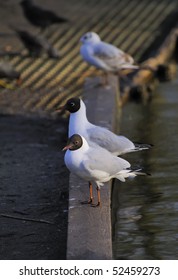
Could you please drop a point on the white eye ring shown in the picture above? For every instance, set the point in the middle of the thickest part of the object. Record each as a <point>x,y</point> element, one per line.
<point>72,104</point>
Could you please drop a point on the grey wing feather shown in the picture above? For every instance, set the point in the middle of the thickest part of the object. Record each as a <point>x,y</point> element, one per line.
<point>106,50</point>
<point>115,144</point>
<point>112,55</point>
<point>99,159</point>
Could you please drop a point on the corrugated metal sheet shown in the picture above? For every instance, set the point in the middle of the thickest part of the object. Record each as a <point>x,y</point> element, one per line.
<point>132,25</point>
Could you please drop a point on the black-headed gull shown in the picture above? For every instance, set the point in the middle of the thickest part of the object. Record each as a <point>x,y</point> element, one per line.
<point>103,55</point>
<point>95,164</point>
<point>79,124</point>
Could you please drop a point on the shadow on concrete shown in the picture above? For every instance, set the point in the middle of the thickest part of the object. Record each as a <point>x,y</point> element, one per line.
<point>33,188</point>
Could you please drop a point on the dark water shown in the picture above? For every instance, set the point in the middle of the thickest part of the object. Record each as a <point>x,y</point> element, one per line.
<point>145,210</point>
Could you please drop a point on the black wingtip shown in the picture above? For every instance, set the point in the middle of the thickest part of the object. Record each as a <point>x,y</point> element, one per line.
<point>143,145</point>
<point>139,143</point>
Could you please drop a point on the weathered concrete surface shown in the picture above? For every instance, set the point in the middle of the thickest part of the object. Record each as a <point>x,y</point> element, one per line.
<point>33,188</point>
<point>89,229</point>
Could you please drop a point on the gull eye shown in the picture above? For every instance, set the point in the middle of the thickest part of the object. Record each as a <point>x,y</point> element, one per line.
<point>72,104</point>
<point>76,143</point>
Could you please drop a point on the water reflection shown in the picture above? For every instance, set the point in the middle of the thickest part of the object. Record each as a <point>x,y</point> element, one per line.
<point>145,210</point>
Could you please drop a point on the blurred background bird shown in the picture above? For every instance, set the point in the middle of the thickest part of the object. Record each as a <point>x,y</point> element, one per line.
<point>108,57</point>
<point>38,16</point>
<point>105,56</point>
<point>36,44</point>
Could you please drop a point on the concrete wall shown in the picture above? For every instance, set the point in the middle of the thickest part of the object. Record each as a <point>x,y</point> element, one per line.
<point>89,229</point>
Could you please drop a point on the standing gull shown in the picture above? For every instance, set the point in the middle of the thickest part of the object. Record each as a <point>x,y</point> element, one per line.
<point>97,135</point>
<point>95,164</point>
<point>103,55</point>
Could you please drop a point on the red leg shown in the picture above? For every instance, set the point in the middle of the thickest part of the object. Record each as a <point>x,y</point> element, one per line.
<point>99,198</point>
<point>91,192</point>
<point>90,201</point>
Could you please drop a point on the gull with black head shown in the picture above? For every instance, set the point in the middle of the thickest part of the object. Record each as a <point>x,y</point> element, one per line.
<point>97,135</point>
<point>95,164</point>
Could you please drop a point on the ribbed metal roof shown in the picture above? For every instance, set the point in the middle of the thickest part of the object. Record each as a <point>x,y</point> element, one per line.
<point>131,25</point>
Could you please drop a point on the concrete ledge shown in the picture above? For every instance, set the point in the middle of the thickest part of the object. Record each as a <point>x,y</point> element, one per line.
<point>89,229</point>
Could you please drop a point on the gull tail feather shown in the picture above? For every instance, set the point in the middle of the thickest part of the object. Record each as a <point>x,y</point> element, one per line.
<point>140,172</point>
<point>130,66</point>
<point>141,147</point>
<point>128,173</point>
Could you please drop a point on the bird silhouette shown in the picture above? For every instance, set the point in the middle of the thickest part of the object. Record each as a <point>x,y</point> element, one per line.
<point>36,44</point>
<point>38,16</point>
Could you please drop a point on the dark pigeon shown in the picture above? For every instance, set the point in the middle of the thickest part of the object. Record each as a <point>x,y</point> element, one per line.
<point>36,45</point>
<point>39,16</point>
<point>30,42</point>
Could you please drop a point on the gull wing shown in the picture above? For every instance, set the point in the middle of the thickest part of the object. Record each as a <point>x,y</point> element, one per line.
<point>115,144</point>
<point>101,164</point>
<point>114,57</point>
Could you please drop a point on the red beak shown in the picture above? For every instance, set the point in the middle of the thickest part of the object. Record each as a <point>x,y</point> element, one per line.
<point>67,147</point>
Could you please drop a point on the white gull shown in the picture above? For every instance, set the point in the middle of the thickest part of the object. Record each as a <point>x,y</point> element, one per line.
<point>103,55</point>
<point>95,164</point>
<point>97,135</point>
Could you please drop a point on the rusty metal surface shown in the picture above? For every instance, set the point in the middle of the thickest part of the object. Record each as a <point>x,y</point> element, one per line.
<point>132,25</point>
